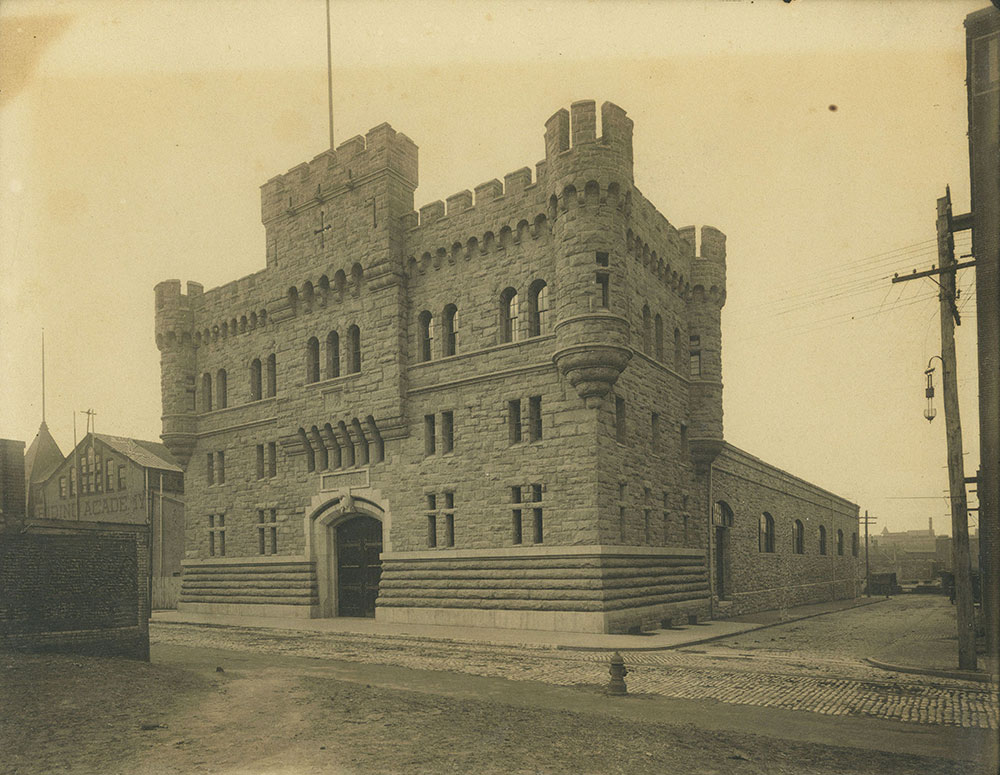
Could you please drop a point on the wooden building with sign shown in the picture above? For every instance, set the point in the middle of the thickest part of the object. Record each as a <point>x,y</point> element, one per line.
<point>113,479</point>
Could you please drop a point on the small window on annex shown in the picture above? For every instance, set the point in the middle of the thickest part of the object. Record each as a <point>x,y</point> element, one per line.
<point>766,538</point>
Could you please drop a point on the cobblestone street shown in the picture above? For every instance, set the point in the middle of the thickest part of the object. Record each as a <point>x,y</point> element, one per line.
<point>813,665</point>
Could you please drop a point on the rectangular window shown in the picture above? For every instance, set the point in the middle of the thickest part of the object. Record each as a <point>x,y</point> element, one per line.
<point>431,520</point>
<point>98,475</point>
<point>447,431</point>
<point>684,441</point>
<point>210,467</point>
<point>121,477</point>
<point>535,418</point>
<point>646,520</point>
<point>515,498</point>
<point>267,531</point>
<point>221,468</point>
<point>429,447</point>
<point>514,420</point>
<point>654,430</point>
<point>621,511</point>
<point>686,518</point>
<point>666,519</point>
<point>602,259</point>
<point>217,535</point>
<point>695,356</point>
<point>109,475</point>
<point>449,519</point>
<point>260,461</point>
<point>603,290</point>
<point>619,419</point>
<point>272,459</point>
<point>63,488</point>
<point>537,525</point>
<point>72,481</point>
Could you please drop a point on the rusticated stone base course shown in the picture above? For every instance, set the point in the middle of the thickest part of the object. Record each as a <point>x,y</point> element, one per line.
<point>248,584</point>
<point>631,591</point>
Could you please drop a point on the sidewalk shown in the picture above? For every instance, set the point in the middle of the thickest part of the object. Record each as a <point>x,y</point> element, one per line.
<point>656,640</point>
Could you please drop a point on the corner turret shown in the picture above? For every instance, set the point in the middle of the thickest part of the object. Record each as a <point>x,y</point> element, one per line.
<point>174,340</point>
<point>705,301</point>
<point>589,180</point>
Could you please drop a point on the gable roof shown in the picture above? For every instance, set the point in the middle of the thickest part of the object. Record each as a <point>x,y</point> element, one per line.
<point>43,456</point>
<point>148,454</point>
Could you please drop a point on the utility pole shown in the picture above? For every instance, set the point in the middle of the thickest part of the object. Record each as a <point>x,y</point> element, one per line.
<point>868,572</point>
<point>953,428</point>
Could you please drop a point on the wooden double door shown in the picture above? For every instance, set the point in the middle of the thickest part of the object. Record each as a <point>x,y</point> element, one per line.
<point>359,544</point>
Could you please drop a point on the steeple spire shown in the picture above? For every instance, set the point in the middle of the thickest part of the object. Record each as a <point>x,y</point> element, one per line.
<point>43,376</point>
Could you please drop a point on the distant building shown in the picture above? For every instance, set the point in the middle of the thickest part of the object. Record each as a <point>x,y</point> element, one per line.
<point>73,579</point>
<point>116,479</point>
<point>913,555</point>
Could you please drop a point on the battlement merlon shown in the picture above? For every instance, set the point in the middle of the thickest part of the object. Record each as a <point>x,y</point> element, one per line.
<point>175,311</point>
<point>708,267</point>
<point>576,130</point>
<point>350,164</point>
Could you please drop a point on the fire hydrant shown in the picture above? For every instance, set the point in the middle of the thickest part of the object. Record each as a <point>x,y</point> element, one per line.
<point>618,672</point>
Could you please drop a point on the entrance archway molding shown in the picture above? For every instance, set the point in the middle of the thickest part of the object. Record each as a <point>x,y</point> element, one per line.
<point>324,514</point>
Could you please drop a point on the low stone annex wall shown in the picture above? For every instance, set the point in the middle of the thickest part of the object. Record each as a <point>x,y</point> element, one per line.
<point>584,589</point>
<point>78,589</point>
<point>249,586</point>
<point>764,580</point>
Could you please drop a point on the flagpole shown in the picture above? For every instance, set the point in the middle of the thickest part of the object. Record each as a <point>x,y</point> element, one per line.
<point>329,70</point>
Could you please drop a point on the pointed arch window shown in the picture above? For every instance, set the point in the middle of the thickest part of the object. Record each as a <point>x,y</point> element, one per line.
<point>312,360</point>
<point>508,315</point>
<point>840,542</point>
<point>540,319</point>
<point>425,336</point>
<point>658,332</point>
<point>822,540</point>
<point>678,352</point>
<point>449,334</point>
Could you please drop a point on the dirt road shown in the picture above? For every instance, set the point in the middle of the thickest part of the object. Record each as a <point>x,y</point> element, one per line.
<point>267,714</point>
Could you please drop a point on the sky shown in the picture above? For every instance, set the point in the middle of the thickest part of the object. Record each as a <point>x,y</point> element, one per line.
<point>134,137</point>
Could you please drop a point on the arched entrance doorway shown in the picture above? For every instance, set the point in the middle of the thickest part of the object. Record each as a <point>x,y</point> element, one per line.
<point>358,546</point>
<point>722,521</point>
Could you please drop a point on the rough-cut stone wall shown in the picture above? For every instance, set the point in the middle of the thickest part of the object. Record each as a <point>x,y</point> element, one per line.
<point>765,580</point>
<point>79,587</point>
<point>345,247</point>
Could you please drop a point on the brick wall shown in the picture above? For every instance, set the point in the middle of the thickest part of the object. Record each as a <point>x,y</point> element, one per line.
<point>75,587</point>
<point>12,502</point>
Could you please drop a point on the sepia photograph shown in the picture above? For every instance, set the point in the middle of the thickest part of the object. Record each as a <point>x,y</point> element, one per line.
<point>480,386</point>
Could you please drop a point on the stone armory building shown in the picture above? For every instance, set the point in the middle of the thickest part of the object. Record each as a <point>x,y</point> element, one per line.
<point>502,410</point>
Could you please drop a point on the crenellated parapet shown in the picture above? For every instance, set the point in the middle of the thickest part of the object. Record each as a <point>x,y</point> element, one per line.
<point>175,313</point>
<point>708,268</point>
<point>351,164</point>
